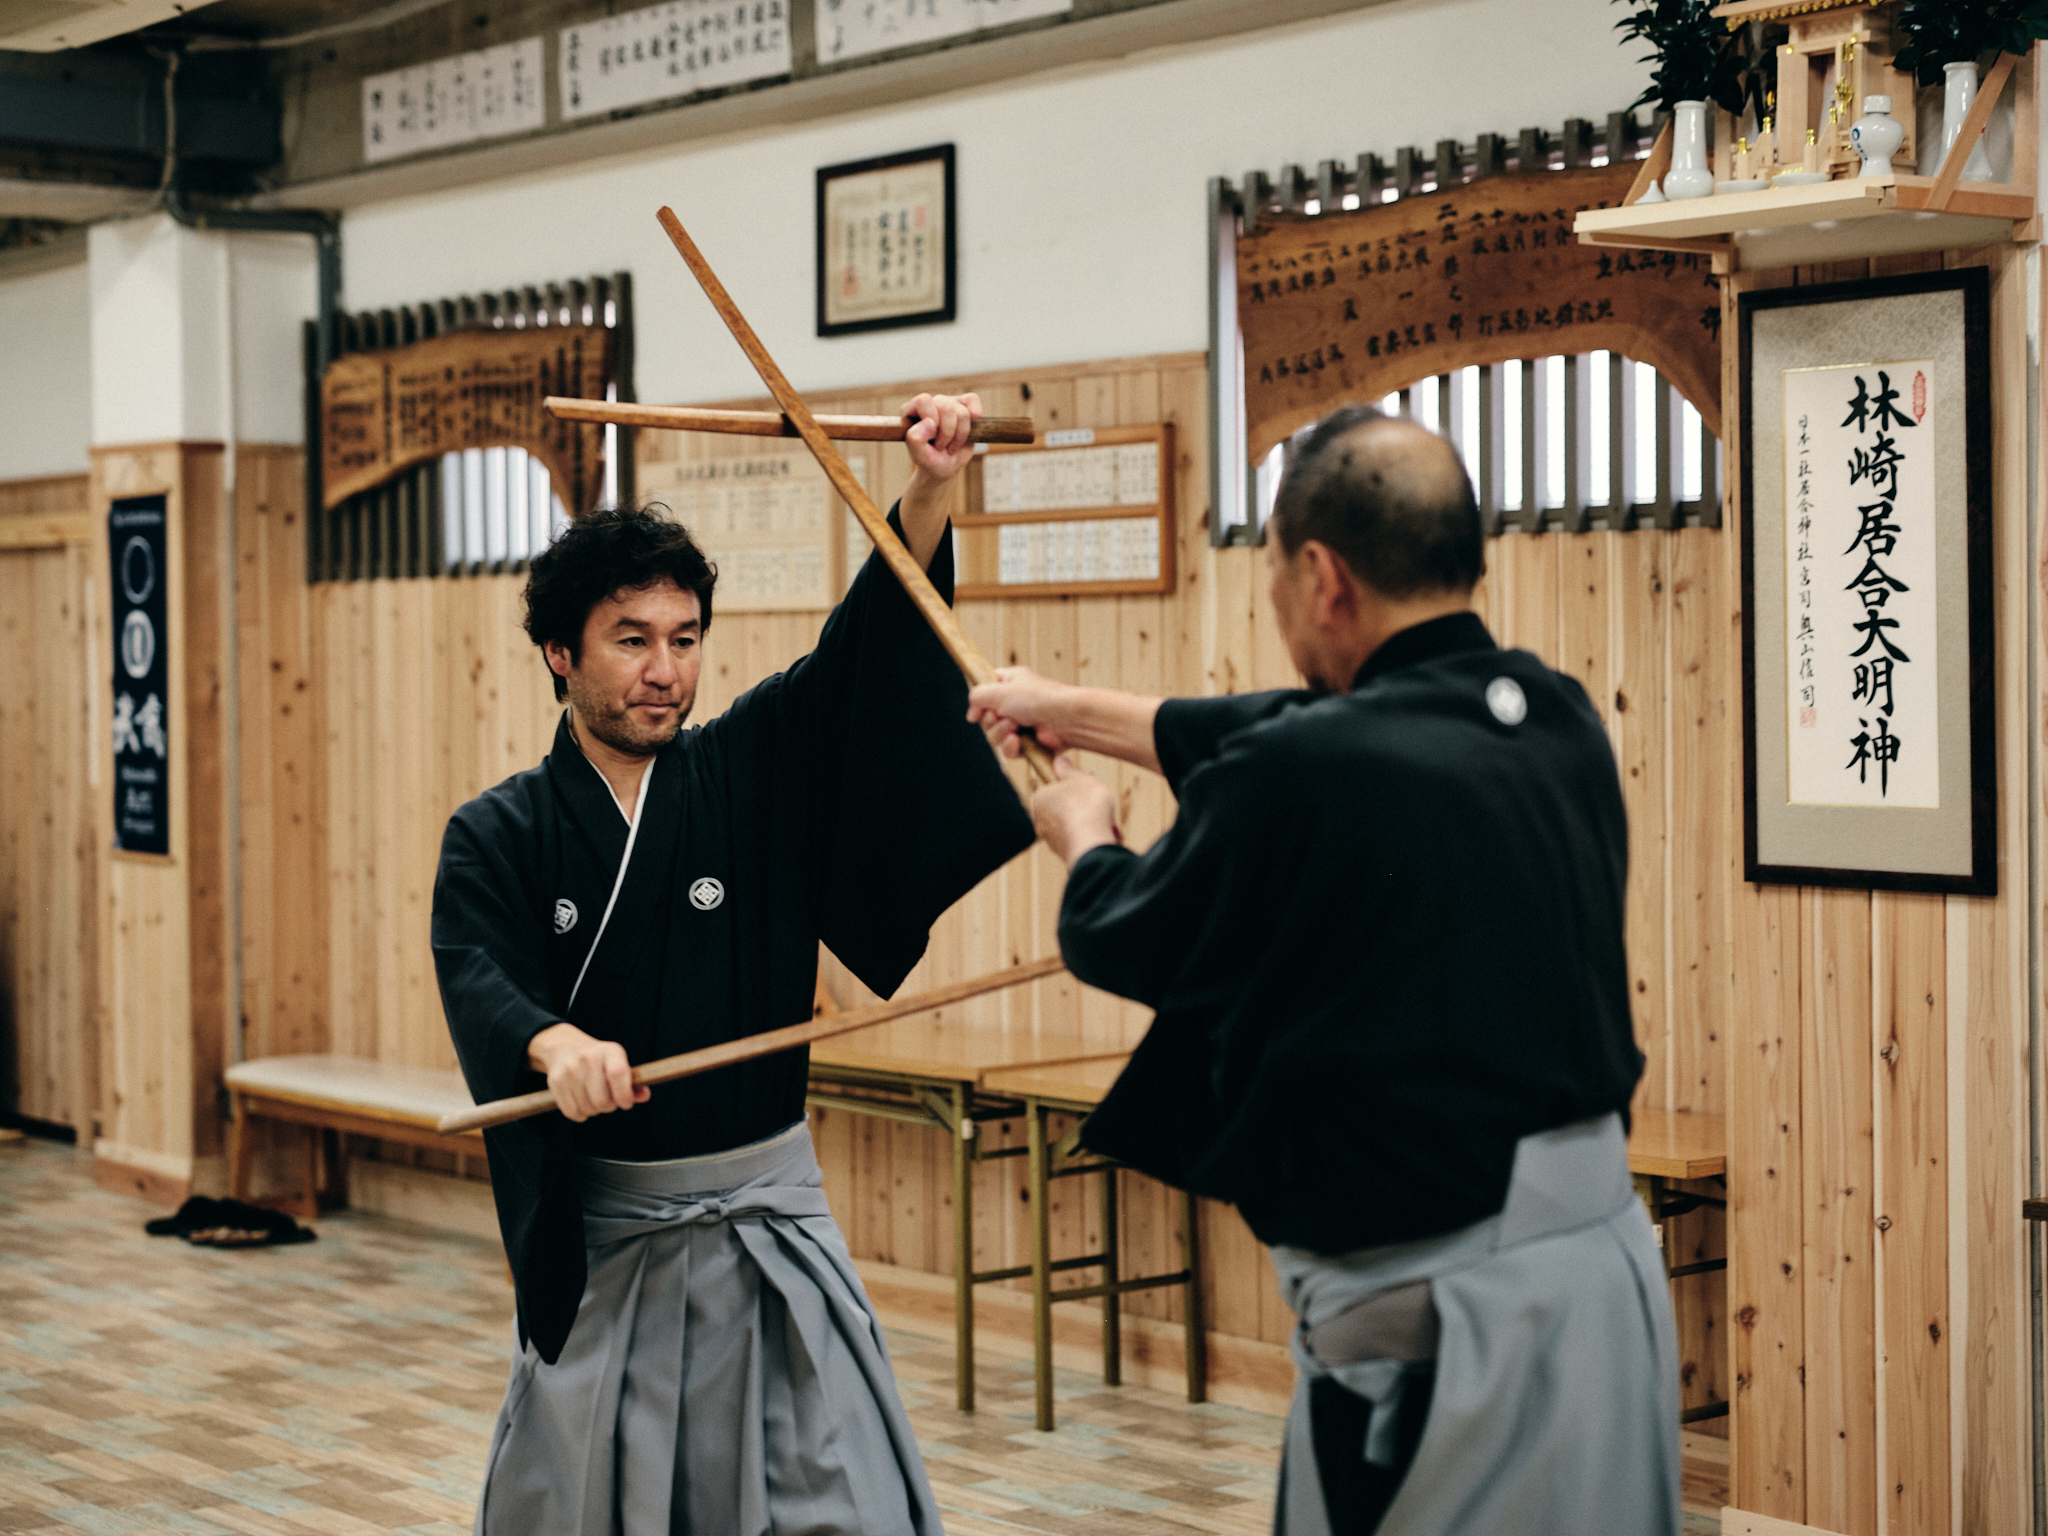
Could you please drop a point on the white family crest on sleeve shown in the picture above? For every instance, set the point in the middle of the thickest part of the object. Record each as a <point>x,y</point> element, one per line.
<point>565,915</point>
<point>1505,698</point>
<point>706,893</point>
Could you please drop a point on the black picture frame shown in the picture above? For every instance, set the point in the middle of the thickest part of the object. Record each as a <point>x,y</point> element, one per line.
<point>1981,879</point>
<point>939,314</point>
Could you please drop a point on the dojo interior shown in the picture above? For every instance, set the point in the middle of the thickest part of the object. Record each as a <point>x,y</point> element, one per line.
<point>1841,1121</point>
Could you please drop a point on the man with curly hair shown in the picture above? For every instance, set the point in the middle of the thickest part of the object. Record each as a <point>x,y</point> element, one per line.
<point>696,1351</point>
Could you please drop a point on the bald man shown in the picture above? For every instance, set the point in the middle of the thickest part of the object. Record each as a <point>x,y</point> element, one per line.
<point>1383,938</point>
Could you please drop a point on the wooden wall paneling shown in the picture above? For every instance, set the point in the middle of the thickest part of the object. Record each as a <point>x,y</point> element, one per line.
<point>384,836</point>
<point>48,855</point>
<point>1635,710</point>
<point>1184,401</point>
<point>1702,797</point>
<point>209,818</point>
<point>64,776</point>
<point>1910,983</point>
<point>1230,667</point>
<point>1835,1107</point>
<point>1585,627</point>
<point>259,751</point>
<point>283,835</point>
<point>350,689</point>
<point>1150,1211</point>
<point>1534,614</point>
<point>1704,752</point>
<point>1988,1010</point>
<point>1765,1187</point>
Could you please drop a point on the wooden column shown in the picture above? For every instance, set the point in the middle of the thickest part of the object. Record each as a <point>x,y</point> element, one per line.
<point>164,955</point>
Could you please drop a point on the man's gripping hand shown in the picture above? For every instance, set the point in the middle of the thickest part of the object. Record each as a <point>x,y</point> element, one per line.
<point>1063,717</point>
<point>1017,700</point>
<point>1075,812</point>
<point>587,1076</point>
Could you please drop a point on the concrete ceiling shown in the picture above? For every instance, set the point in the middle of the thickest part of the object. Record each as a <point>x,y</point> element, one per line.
<point>47,26</point>
<point>69,202</point>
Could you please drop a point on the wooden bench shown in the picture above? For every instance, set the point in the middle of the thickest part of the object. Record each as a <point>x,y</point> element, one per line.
<point>346,1095</point>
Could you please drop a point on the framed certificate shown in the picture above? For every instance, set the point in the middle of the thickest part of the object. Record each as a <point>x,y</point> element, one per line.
<point>1866,575</point>
<point>885,242</point>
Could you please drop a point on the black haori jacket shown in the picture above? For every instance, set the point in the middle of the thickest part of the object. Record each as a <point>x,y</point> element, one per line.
<point>1384,940</point>
<point>845,800</point>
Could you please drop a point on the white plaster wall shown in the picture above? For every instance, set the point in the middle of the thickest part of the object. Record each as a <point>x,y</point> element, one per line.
<point>276,290</point>
<point>1081,219</point>
<point>159,293</point>
<point>45,373</point>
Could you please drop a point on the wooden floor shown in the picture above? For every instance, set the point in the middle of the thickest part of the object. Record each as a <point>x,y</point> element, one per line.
<point>348,1386</point>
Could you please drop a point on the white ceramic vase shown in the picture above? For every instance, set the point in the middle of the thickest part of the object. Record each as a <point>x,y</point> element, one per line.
<point>1959,96</point>
<point>1877,136</point>
<point>1690,174</point>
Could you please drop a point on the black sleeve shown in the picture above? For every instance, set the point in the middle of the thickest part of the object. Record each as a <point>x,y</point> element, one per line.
<point>489,955</point>
<point>906,808</point>
<point>1178,919</point>
<point>1188,732</point>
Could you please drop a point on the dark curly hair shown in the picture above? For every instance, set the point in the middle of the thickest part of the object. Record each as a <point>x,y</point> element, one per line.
<point>620,549</point>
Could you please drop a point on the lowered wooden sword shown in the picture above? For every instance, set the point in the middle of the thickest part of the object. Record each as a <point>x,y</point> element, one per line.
<point>711,1057</point>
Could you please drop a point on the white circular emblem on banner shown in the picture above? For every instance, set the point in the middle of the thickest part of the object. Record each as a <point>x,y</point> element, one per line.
<point>565,915</point>
<point>706,893</point>
<point>138,569</point>
<point>1505,698</point>
<point>138,643</point>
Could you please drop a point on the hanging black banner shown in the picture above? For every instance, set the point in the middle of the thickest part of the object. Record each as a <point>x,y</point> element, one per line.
<point>142,670</point>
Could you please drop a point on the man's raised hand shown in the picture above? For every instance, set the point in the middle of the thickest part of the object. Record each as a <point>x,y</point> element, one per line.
<point>938,436</point>
<point>939,450</point>
<point>587,1076</point>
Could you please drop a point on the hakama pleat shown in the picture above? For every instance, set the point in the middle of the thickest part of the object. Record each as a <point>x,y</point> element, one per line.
<point>726,1375</point>
<point>1554,1409</point>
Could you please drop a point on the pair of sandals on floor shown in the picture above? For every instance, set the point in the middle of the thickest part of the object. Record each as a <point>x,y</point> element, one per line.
<point>212,1223</point>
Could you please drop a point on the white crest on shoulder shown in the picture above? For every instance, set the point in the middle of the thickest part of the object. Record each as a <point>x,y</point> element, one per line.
<point>706,893</point>
<point>1505,698</point>
<point>565,915</point>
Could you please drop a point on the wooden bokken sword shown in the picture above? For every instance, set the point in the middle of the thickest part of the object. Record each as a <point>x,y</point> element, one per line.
<point>845,429</point>
<point>711,1057</point>
<point>945,624</point>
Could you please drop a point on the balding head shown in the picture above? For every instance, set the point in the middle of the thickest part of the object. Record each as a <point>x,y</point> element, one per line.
<point>1390,498</point>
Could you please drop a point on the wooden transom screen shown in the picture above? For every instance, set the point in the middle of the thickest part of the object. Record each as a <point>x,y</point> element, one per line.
<point>1087,511</point>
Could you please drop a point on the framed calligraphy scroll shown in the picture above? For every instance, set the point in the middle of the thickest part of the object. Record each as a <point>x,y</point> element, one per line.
<point>1866,584</point>
<point>885,242</point>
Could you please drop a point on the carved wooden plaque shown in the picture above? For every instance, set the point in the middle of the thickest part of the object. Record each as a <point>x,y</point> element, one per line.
<point>1352,306</point>
<point>383,412</point>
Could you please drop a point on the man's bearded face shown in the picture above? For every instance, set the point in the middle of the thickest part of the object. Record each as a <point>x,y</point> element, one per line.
<point>635,680</point>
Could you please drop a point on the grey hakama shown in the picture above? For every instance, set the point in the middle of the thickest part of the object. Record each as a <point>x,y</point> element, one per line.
<point>1555,1410</point>
<point>725,1376</point>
